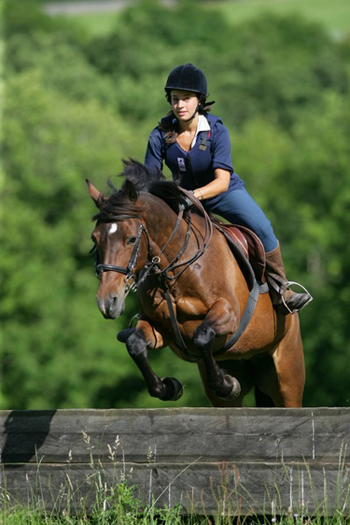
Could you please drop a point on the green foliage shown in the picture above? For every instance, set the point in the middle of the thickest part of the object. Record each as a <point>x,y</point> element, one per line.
<point>281,71</point>
<point>75,106</point>
<point>45,231</point>
<point>63,67</point>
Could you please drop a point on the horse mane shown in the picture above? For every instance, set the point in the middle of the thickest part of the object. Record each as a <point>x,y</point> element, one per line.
<point>138,178</point>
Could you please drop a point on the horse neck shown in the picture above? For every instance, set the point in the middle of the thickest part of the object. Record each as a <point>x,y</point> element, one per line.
<point>160,221</point>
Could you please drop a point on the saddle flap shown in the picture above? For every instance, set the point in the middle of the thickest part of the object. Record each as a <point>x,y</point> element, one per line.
<point>247,242</point>
<point>256,252</point>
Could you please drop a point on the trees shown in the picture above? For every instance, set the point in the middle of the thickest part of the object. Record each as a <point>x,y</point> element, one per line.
<point>51,145</point>
<point>75,106</point>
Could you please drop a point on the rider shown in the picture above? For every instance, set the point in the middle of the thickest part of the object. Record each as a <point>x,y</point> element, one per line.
<point>196,148</point>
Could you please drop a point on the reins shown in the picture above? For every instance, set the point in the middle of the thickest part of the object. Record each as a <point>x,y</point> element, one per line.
<point>208,232</point>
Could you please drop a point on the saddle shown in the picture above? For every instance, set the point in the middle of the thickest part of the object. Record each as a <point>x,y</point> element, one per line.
<point>246,247</point>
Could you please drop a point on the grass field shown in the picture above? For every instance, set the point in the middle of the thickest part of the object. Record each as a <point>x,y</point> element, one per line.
<point>333,14</point>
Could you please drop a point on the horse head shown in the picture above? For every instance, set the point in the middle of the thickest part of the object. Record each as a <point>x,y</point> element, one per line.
<point>121,243</point>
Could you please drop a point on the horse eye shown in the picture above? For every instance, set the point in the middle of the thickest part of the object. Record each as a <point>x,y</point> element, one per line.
<point>131,240</point>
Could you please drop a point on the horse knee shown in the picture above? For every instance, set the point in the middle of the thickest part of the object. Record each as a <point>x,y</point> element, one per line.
<point>136,345</point>
<point>204,335</point>
<point>123,335</point>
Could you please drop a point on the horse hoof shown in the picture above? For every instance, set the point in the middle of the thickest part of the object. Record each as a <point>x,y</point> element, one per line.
<point>173,389</point>
<point>235,390</point>
<point>123,335</point>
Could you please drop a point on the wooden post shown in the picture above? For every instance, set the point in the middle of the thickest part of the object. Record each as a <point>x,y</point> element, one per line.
<point>237,461</point>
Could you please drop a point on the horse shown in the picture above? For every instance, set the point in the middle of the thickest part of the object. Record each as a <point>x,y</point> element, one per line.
<point>192,295</point>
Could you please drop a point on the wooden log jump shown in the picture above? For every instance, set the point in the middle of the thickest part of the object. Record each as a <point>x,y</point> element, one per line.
<point>237,461</point>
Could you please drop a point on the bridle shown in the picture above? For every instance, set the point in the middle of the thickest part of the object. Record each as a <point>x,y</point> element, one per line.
<point>129,270</point>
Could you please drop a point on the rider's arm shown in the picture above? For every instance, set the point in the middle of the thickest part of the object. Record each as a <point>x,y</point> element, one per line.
<point>216,186</point>
<point>222,165</point>
<point>154,152</point>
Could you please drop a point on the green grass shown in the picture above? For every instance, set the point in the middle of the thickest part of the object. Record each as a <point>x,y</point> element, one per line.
<point>98,24</point>
<point>333,14</point>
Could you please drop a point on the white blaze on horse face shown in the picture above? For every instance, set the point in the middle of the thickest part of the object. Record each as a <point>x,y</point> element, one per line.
<point>113,228</point>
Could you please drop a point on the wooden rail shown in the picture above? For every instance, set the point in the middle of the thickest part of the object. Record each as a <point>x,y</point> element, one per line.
<point>265,461</point>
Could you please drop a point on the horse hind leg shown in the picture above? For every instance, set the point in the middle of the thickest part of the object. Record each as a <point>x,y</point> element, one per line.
<point>166,389</point>
<point>280,377</point>
<point>216,323</point>
<point>288,359</point>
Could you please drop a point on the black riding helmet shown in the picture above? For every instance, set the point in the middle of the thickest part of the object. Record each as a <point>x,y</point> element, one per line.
<point>187,78</point>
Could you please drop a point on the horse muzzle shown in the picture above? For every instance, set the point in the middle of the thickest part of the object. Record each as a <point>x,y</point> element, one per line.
<point>111,306</point>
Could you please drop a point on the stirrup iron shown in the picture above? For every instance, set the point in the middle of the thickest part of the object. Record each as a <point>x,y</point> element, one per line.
<point>291,283</point>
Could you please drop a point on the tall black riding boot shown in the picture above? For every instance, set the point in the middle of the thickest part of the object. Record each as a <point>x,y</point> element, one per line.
<point>283,298</point>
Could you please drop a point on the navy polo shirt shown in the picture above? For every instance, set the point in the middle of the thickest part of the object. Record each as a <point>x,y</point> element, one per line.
<point>195,168</point>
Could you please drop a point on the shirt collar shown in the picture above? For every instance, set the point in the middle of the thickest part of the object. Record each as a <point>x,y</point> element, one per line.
<point>203,125</point>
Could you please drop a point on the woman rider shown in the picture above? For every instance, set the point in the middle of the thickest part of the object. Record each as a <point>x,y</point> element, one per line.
<point>196,148</point>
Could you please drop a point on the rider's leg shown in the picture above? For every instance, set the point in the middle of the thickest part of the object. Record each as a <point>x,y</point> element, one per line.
<point>281,295</point>
<point>238,207</point>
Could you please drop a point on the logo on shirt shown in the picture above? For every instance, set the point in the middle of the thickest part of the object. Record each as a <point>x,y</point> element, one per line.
<point>181,164</point>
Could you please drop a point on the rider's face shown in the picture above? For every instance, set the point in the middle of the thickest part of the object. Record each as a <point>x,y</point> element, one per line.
<point>184,104</point>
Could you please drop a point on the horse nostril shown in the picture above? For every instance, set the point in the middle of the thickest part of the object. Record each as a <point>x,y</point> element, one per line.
<point>114,301</point>
<point>112,305</point>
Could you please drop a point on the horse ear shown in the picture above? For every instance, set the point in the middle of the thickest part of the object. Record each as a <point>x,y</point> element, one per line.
<point>130,190</point>
<point>94,193</point>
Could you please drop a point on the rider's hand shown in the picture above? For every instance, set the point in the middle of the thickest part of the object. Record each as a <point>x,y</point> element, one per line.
<point>185,203</point>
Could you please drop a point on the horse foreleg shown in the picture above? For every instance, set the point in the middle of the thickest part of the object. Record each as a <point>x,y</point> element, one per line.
<point>167,388</point>
<point>241,370</point>
<point>219,321</point>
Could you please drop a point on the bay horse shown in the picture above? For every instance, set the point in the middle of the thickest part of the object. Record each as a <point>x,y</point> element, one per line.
<point>192,295</point>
